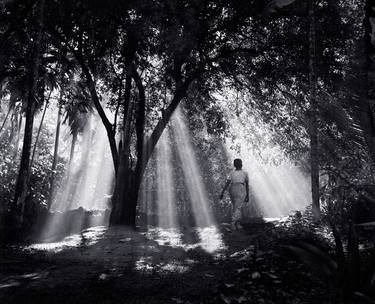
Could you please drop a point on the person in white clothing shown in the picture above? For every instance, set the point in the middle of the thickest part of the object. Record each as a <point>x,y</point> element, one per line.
<point>238,183</point>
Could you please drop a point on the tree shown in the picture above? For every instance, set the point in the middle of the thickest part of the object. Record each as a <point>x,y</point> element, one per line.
<point>24,172</point>
<point>186,41</point>
<point>313,132</point>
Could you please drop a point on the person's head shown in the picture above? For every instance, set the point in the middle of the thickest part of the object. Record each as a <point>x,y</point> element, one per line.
<point>237,163</point>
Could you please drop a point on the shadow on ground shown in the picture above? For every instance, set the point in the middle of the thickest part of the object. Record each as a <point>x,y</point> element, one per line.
<point>125,266</point>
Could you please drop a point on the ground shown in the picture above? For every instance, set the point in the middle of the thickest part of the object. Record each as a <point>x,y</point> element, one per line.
<point>119,265</point>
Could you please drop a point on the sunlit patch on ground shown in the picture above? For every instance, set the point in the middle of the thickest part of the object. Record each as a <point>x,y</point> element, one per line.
<point>165,236</point>
<point>208,238</point>
<point>86,238</point>
<point>144,264</point>
<point>17,280</point>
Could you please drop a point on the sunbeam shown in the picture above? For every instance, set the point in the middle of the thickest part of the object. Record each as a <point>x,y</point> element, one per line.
<point>277,189</point>
<point>165,185</point>
<point>193,179</point>
<point>87,186</point>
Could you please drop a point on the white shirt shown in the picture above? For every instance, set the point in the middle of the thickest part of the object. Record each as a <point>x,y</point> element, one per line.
<point>238,176</point>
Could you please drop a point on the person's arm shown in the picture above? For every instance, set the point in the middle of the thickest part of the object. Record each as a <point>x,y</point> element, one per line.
<point>225,188</point>
<point>247,188</point>
<point>247,191</point>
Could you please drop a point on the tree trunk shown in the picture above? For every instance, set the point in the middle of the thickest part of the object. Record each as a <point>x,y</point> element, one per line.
<point>314,153</point>
<point>134,178</point>
<point>131,182</point>
<point>72,148</point>
<point>123,174</point>
<point>19,122</point>
<point>354,262</point>
<point>39,130</point>
<point>55,153</point>
<point>367,102</point>
<point>5,119</point>
<point>24,171</point>
<point>111,129</point>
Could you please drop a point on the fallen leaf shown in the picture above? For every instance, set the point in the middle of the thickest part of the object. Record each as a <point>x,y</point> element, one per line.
<point>241,270</point>
<point>255,275</point>
<point>226,299</point>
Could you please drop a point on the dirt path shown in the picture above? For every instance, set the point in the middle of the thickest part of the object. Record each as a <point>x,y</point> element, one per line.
<point>123,266</point>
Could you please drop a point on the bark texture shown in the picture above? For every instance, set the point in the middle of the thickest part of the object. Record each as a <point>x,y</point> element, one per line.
<point>314,142</point>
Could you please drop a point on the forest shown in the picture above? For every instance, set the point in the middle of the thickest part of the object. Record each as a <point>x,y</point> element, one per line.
<point>123,122</point>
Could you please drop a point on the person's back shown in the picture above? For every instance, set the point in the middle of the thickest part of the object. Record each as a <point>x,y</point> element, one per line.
<point>238,176</point>
<point>238,182</point>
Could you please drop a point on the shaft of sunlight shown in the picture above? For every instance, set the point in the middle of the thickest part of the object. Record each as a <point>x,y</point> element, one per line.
<point>193,180</point>
<point>277,189</point>
<point>82,199</point>
<point>89,182</point>
<point>165,185</point>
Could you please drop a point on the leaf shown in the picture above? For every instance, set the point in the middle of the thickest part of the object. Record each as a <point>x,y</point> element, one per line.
<point>241,270</point>
<point>364,298</point>
<point>229,285</point>
<point>226,299</point>
<point>272,276</point>
<point>313,259</point>
<point>330,262</point>
<point>241,299</point>
<point>274,5</point>
<point>255,275</point>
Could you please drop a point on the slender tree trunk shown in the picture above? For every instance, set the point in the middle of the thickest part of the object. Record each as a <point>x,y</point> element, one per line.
<point>13,127</point>
<point>5,119</point>
<point>367,102</point>
<point>354,262</point>
<point>39,130</point>
<point>18,135</point>
<point>24,171</point>
<point>55,153</point>
<point>1,94</point>
<point>314,153</point>
<point>111,129</point>
<point>72,148</point>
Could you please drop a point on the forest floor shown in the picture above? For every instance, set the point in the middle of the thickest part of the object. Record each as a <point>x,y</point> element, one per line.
<point>124,266</point>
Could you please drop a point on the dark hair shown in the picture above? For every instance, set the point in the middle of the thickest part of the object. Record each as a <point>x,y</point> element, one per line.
<point>237,163</point>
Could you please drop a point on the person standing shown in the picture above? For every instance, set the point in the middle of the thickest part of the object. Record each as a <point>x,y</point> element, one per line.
<point>238,183</point>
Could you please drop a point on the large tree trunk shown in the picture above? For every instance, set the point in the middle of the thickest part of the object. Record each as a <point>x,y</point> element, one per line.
<point>314,151</point>
<point>134,177</point>
<point>131,184</point>
<point>123,174</point>
<point>24,171</point>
